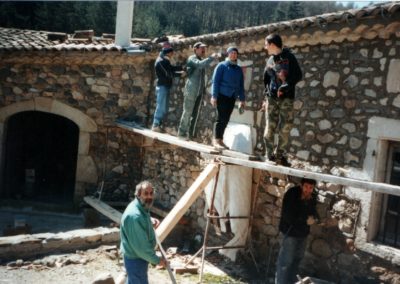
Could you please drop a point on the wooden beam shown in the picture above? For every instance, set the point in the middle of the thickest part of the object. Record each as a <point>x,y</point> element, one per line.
<point>186,201</point>
<point>167,138</point>
<point>114,214</point>
<point>361,184</point>
<point>175,141</point>
<point>236,154</point>
<point>153,209</point>
<point>104,209</point>
<point>158,211</point>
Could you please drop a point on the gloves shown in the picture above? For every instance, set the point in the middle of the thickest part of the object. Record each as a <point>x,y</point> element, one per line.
<point>283,89</point>
<point>310,220</point>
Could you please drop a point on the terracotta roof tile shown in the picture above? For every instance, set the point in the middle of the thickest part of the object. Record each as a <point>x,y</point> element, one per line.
<point>315,30</point>
<point>15,39</point>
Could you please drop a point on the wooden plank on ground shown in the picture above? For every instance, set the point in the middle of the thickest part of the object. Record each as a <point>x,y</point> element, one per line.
<point>189,269</point>
<point>346,181</point>
<point>153,209</point>
<point>104,209</point>
<point>158,211</point>
<point>186,201</point>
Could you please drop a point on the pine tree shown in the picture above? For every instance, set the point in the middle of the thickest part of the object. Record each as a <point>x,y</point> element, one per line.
<point>152,19</point>
<point>295,10</point>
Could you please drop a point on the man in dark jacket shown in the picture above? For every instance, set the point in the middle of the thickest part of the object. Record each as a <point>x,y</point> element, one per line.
<point>165,73</point>
<point>297,215</point>
<point>281,75</point>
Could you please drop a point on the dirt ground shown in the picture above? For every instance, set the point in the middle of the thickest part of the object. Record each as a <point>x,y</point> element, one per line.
<point>87,266</point>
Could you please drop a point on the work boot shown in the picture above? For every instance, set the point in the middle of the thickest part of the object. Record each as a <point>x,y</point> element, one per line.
<point>184,138</point>
<point>156,128</point>
<point>217,144</point>
<point>283,161</point>
<point>271,159</point>
<point>223,145</point>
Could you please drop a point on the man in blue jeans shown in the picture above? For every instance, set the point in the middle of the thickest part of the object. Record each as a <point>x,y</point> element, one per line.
<point>165,73</point>
<point>138,237</point>
<point>297,215</point>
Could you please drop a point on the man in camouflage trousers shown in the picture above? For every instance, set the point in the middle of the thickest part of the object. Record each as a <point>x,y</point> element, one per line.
<point>194,89</point>
<point>281,75</point>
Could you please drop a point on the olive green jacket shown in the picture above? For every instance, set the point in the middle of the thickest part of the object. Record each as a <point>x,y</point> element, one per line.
<point>195,69</point>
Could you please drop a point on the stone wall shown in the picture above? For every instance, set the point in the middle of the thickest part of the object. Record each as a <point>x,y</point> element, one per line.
<point>331,248</point>
<point>100,87</point>
<point>28,246</point>
<point>344,85</point>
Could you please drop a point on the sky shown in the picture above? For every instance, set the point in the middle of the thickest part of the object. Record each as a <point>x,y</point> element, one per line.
<point>359,4</point>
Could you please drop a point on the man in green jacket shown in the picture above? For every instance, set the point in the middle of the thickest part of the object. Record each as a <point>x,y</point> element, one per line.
<point>194,89</point>
<point>138,237</point>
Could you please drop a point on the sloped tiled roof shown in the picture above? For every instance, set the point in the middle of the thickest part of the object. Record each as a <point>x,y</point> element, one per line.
<point>16,39</point>
<point>300,27</point>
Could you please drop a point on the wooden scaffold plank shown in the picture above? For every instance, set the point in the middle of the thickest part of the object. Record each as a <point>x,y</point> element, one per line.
<point>168,138</point>
<point>173,140</point>
<point>104,209</point>
<point>345,181</point>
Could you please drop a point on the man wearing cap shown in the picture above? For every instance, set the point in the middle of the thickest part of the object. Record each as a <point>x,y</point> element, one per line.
<point>281,75</point>
<point>227,85</point>
<point>165,73</point>
<point>194,89</point>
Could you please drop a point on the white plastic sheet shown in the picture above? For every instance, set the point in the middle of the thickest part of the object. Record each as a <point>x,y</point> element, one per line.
<point>233,193</point>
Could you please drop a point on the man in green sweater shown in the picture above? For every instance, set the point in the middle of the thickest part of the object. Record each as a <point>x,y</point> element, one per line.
<point>138,237</point>
<point>194,89</point>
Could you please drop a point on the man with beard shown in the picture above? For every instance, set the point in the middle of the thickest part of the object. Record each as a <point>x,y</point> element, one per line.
<point>138,237</point>
<point>194,89</point>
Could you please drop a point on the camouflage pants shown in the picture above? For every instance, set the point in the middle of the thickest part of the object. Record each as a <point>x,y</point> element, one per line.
<point>279,120</point>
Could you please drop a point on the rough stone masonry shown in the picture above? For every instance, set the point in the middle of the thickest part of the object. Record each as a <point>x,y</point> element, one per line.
<point>350,75</point>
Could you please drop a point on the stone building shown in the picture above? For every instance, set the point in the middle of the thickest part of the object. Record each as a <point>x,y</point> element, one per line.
<point>60,97</point>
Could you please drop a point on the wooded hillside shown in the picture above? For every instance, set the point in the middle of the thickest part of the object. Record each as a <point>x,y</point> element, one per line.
<point>153,19</point>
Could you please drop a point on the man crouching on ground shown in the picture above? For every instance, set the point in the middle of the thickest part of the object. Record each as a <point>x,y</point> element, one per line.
<point>138,237</point>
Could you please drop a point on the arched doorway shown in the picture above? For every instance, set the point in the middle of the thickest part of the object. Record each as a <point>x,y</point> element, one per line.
<point>40,157</point>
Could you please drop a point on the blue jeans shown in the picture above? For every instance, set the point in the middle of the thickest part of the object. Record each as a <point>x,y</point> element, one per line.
<point>162,93</point>
<point>136,270</point>
<point>290,255</point>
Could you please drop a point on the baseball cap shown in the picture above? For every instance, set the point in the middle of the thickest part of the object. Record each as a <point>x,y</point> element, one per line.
<point>199,44</point>
<point>166,50</point>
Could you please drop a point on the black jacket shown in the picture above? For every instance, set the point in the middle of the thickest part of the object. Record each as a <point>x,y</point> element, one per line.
<point>295,212</point>
<point>283,62</point>
<point>165,72</point>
